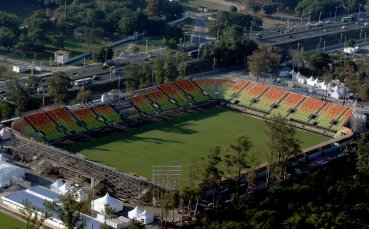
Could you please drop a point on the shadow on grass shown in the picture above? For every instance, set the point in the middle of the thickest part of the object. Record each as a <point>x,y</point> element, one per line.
<point>180,125</point>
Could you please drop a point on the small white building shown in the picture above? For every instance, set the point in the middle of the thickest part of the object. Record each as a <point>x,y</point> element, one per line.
<point>145,217</point>
<point>61,56</point>
<point>98,205</point>
<point>19,68</point>
<point>7,171</point>
<point>134,213</point>
<point>56,185</point>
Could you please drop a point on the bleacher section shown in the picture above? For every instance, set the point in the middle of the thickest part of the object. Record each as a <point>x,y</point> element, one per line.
<point>89,119</point>
<point>329,113</point>
<point>269,99</point>
<point>46,126</point>
<point>143,104</point>
<point>62,117</point>
<point>172,91</point>
<point>288,103</point>
<point>216,88</point>
<point>233,91</point>
<point>162,100</point>
<point>307,109</point>
<point>23,127</point>
<point>190,88</point>
<point>249,97</point>
<point>251,92</point>
<point>109,115</point>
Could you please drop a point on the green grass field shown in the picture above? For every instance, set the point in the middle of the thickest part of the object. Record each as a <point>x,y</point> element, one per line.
<point>8,222</point>
<point>177,141</point>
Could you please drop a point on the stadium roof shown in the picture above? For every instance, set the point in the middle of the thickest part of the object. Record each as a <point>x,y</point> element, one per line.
<point>44,193</point>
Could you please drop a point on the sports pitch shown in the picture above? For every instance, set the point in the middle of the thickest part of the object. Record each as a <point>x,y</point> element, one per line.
<point>8,222</point>
<point>180,140</point>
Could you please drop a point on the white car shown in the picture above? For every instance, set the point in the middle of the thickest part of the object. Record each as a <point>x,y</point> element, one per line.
<point>366,23</point>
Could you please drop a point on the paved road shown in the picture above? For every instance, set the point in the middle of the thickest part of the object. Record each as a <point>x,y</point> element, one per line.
<point>200,33</point>
<point>276,37</point>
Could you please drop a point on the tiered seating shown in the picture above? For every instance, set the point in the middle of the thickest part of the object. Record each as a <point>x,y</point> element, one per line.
<point>162,100</point>
<point>307,108</point>
<point>237,87</point>
<point>191,89</point>
<point>329,113</point>
<point>89,118</point>
<point>175,93</point>
<point>143,104</point>
<point>345,117</point>
<point>23,127</point>
<point>63,118</point>
<point>216,88</point>
<point>289,102</point>
<point>252,91</point>
<point>47,127</point>
<point>269,98</point>
<point>109,115</point>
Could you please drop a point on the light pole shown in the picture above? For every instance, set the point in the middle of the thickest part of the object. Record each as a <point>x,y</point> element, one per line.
<point>214,62</point>
<point>320,15</point>
<point>119,82</point>
<point>323,45</point>
<point>344,45</point>
<point>309,17</point>
<point>341,39</point>
<point>358,15</point>
<point>361,31</point>
<point>252,23</point>
<point>365,37</point>
<point>335,15</point>
<point>146,49</point>
<point>43,97</point>
<point>298,46</point>
<point>50,63</point>
<point>110,72</point>
<point>280,27</point>
<point>84,62</point>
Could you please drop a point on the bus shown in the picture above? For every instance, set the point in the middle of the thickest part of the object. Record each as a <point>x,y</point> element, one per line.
<point>82,82</point>
<point>347,19</point>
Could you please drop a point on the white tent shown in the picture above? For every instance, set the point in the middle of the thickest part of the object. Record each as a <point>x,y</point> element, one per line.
<point>64,188</point>
<point>316,82</point>
<point>7,171</point>
<point>5,134</point>
<point>3,158</point>
<point>293,73</point>
<point>310,81</point>
<point>145,217</point>
<point>98,205</point>
<point>81,195</point>
<point>56,185</point>
<point>134,213</point>
<point>4,181</point>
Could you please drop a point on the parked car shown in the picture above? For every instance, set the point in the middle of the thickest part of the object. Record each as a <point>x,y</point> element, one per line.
<point>42,90</point>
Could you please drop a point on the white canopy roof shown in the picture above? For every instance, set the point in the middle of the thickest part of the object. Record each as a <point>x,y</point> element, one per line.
<point>7,171</point>
<point>81,195</point>
<point>134,213</point>
<point>64,188</point>
<point>99,204</point>
<point>3,158</point>
<point>292,72</point>
<point>146,217</point>
<point>57,184</point>
<point>5,134</point>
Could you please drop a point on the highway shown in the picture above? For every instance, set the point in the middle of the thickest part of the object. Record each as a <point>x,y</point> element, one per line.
<point>300,32</point>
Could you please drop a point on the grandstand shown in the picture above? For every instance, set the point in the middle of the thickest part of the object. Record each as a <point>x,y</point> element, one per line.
<point>249,97</point>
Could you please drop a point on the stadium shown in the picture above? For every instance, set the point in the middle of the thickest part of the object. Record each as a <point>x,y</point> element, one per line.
<point>122,138</point>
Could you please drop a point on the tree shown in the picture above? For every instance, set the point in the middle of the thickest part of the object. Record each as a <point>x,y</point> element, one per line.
<point>88,34</point>
<point>68,210</point>
<point>319,62</point>
<point>282,144</point>
<point>83,96</point>
<point>254,6</point>
<point>58,85</point>
<point>7,110</point>
<point>236,162</point>
<point>270,8</point>
<point>7,38</point>
<point>212,174</point>
<point>34,220</point>
<point>103,54</point>
<point>18,95</point>
<point>351,42</point>
<point>297,57</point>
<point>257,63</point>
<point>108,212</point>
<point>362,158</point>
